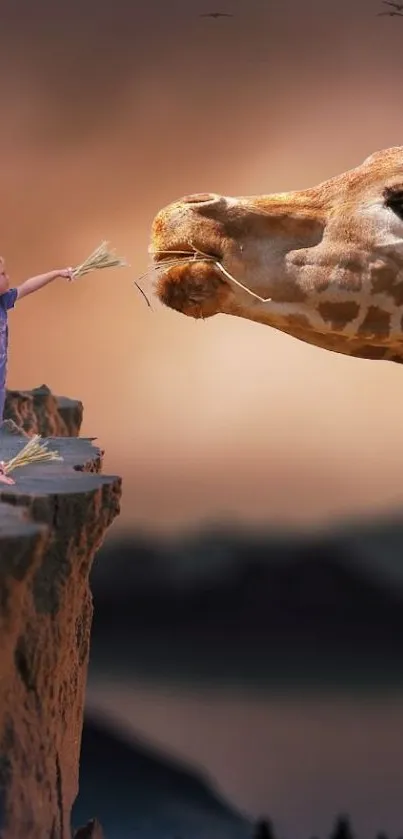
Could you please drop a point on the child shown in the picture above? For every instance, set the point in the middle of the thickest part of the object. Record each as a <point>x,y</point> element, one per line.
<point>8,298</point>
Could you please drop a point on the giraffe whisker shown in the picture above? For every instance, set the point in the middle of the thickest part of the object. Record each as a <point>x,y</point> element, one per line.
<point>197,256</point>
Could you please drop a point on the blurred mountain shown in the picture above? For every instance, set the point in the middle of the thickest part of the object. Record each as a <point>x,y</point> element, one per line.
<point>252,603</point>
<point>136,791</point>
<point>242,609</point>
<point>373,549</point>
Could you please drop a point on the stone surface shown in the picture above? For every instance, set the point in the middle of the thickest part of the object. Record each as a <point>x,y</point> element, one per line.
<point>38,411</point>
<point>51,524</point>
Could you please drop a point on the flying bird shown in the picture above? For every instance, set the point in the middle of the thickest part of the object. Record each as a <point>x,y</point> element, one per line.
<point>216,14</point>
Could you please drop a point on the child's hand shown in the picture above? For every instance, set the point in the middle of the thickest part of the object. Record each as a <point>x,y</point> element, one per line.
<point>4,479</point>
<point>67,274</point>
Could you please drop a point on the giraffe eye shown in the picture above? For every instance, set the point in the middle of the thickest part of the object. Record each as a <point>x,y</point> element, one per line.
<point>394,200</point>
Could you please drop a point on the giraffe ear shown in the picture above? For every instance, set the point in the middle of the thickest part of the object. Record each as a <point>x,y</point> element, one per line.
<point>394,200</point>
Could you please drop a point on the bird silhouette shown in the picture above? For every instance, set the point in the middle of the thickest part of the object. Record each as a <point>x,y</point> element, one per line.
<point>216,14</point>
<point>398,6</point>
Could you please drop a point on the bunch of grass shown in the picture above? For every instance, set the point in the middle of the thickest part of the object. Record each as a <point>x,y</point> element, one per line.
<point>33,452</point>
<point>101,257</point>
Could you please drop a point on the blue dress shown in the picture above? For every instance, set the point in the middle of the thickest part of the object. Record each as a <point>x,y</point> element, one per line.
<point>7,301</point>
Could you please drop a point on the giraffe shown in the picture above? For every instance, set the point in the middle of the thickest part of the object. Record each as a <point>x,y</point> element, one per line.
<point>323,264</point>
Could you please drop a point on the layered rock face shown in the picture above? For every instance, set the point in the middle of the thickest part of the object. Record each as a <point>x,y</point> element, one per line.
<point>38,411</point>
<point>52,521</point>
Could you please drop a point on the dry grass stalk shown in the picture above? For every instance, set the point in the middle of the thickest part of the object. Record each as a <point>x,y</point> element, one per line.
<point>33,452</point>
<point>101,257</point>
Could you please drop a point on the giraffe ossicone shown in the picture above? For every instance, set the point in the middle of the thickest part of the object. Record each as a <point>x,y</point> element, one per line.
<point>323,264</point>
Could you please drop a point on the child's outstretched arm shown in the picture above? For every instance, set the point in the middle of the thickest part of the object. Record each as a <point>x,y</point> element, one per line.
<point>35,283</point>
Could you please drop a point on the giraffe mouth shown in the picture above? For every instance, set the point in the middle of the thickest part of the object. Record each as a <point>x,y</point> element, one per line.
<point>200,274</point>
<point>192,287</point>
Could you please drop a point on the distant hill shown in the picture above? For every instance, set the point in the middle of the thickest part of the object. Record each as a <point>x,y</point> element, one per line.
<point>373,548</point>
<point>270,602</point>
<point>135,791</point>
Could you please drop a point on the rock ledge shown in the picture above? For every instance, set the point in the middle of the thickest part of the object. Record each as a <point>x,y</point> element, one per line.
<point>51,524</point>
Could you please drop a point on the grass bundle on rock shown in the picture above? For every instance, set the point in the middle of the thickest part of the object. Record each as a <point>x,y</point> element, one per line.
<point>32,452</point>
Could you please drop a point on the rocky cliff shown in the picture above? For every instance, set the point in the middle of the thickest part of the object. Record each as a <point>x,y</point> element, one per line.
<point>38,411</point>
<point>52,521</point>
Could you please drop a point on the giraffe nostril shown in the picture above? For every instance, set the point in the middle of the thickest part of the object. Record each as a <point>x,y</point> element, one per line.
<point>201,198</point>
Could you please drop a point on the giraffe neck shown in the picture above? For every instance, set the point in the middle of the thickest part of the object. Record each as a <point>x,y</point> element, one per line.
<point>360,316</point>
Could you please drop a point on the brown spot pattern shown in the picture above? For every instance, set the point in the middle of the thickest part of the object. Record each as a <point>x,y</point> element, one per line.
<point>376,322</point>
<point>338,314</point>
<point>370,352</point>
<point>396,292</point>
<point>288,292</point>
<point>383,280</point>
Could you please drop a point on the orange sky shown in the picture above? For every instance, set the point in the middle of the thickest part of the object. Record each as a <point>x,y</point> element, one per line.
<point>111,113</point>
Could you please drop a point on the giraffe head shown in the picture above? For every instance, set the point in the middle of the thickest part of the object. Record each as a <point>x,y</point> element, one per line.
<point>323,264</point>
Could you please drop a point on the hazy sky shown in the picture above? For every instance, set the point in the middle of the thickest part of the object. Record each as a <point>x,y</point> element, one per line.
<point>107,114</point>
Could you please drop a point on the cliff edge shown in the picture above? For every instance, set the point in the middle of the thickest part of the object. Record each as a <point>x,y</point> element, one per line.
<point>52,521</point>
<point>38,411</point>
